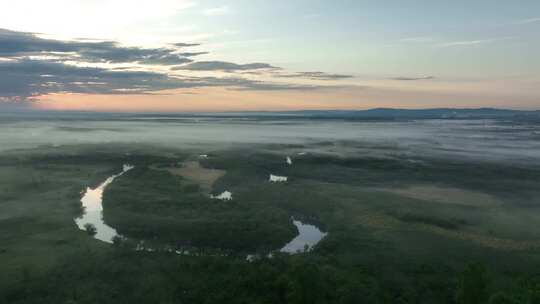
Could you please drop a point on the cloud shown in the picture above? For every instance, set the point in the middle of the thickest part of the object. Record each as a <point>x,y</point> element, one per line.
<point>16,44</point>
<point>31,66</point>
<point>223,66</point>
<point>413,78</point>
<point>315,76</point>
<point>24,79</point>
<point>217,11</point>
<point>472,42</point>
<point>242,84</point>
<point>182,44</point>
<point>527,21</point>
<point>192,54</point>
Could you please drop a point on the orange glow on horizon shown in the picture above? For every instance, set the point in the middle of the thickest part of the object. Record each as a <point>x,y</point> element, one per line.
<point>195,100</point>
<point>226,99</point>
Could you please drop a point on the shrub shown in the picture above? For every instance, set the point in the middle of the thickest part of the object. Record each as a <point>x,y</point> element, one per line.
<point>90,229</point>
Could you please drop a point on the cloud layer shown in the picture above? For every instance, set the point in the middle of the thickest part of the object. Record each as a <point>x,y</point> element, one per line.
<point>413,78</point>
<point>315,76</point>
<point>32,66</point>
<point>16,44</point>
<point>223,66</point>
<point>25,78</point>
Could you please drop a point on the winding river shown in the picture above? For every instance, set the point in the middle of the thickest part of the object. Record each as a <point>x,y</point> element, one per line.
<point>308,235</point>
<point>93,209</point>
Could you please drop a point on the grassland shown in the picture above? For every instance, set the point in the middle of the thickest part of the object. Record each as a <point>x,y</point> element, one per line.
<point>399,231</point>
<point>157,206</point>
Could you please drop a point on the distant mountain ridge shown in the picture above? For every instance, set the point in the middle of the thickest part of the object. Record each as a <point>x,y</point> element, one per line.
<point>370,114</point>
<point>419,113</point>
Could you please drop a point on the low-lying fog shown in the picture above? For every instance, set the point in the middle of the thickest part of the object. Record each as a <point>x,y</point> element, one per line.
<point>482,139</point>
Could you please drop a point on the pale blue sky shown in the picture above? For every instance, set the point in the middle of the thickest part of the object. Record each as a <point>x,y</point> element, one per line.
<point>453,38</point>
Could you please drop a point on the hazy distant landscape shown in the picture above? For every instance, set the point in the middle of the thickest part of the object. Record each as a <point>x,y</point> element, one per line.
<point>394,209</point>
<point>269,152</point>
<point>482,134</point>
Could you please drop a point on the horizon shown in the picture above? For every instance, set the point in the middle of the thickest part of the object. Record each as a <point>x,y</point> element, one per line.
<point>72,111</point>
<point>221,56</point>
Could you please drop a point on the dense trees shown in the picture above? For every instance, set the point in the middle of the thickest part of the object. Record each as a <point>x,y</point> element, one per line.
<point>380,247</point>
<point>472,288</point>
<point>125,276</point>
<point>148,204</point>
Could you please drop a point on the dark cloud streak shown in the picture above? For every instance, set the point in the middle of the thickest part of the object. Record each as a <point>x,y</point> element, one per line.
<point>16,44</point>
<point>192,54</point>
<point>315,76</point>
<point>182,44</point>
<point>31,66</point>
<point>413,78</point>
<point>24,79</point>
<point>223,66</point>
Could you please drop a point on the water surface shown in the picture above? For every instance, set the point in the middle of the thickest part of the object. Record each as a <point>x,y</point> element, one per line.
<point>308,236</point>
<point>277,178</point>
<point>93,209</point>
<point>225,196</point>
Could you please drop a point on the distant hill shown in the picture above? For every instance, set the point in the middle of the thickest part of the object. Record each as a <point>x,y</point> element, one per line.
<point>390,113</point>
<point>371,114</point>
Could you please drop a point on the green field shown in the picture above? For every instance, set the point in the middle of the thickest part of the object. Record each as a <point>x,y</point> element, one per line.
<point>400,229</point>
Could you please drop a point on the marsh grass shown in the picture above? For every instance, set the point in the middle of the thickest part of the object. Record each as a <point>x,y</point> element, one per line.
<point>381,247</point>
<point>152,204</point>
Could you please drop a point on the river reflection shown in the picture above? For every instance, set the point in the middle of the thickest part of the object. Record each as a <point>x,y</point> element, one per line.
<point>308,236</point>
<point>93,209</point>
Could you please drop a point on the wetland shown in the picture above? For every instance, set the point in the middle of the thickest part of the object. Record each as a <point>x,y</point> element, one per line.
<point>383,213</point>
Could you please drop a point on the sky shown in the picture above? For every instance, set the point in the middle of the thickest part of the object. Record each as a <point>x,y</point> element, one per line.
<point>201,55</point>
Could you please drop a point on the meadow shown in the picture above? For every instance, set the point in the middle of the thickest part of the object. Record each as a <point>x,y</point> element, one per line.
<point>401,227</point>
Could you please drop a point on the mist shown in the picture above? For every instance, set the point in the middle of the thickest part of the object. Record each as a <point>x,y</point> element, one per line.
<point>478,139</point>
